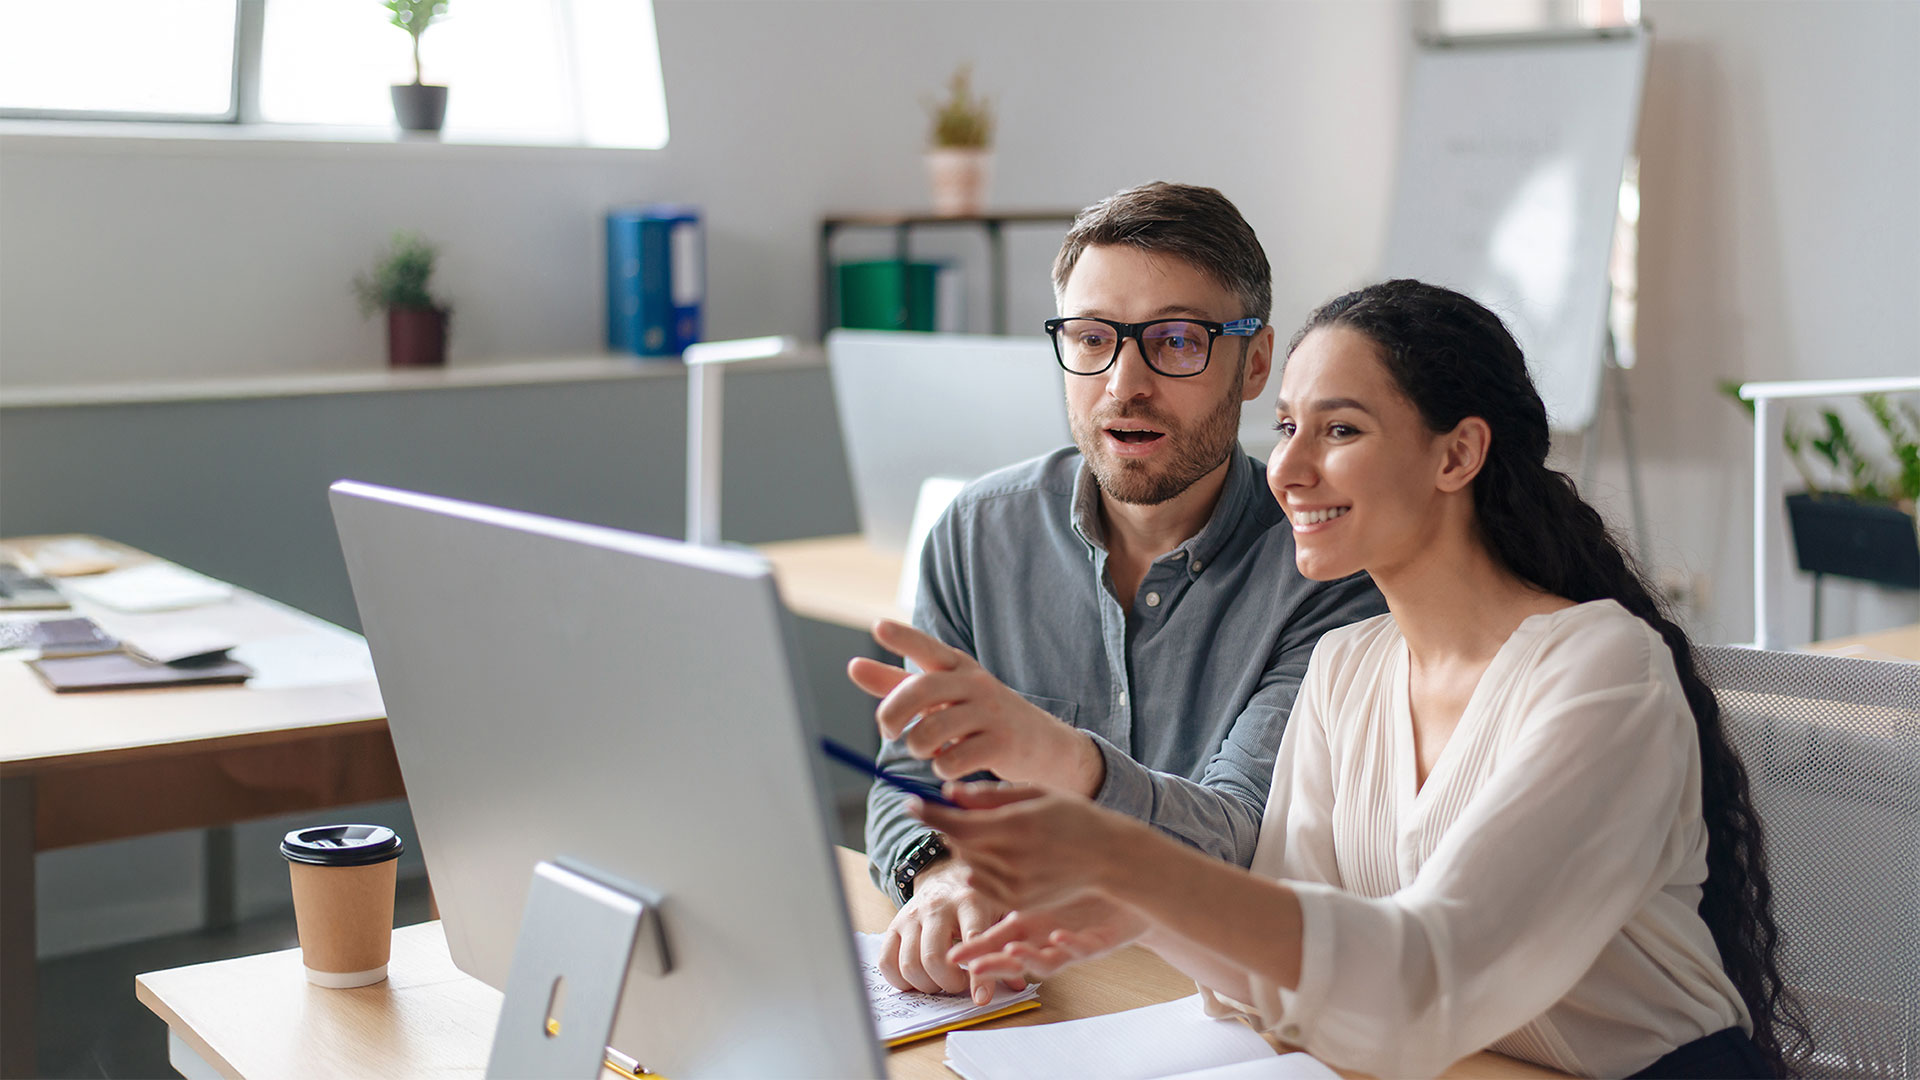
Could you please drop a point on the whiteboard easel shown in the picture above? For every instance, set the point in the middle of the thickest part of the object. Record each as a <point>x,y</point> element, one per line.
<point>1511,154</point>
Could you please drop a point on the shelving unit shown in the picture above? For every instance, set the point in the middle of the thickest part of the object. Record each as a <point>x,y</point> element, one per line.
<point>903,226</point>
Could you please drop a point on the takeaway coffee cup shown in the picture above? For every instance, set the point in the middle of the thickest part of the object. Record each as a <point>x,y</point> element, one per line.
<point>343,900</point>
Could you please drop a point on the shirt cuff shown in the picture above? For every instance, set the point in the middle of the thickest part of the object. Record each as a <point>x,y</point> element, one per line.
<point>1290,1014</point>
<point>1127,786</point>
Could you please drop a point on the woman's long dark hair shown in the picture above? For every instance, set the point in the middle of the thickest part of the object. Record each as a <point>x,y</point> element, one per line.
<point>1453,359</point>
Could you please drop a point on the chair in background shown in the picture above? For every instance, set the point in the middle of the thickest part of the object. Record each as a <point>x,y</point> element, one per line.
<point>1832,748</point>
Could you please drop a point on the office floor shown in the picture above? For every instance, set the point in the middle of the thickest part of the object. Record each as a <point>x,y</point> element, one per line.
<point>91,1025</point>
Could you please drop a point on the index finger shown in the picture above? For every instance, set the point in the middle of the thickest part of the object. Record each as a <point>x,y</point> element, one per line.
<point>922,648</point>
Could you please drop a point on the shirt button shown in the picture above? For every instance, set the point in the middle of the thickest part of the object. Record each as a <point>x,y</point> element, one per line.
<point>1196,566</point>
<point>1153,599</point>
<point>1123,697</point>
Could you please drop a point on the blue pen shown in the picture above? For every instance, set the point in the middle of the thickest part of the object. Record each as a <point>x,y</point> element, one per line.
<point>912,785</point>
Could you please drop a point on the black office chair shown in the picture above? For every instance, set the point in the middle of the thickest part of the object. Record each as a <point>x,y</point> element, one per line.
<point>1832,747</point>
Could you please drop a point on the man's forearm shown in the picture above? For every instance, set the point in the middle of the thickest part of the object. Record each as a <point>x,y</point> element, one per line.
<point>1223,824</point>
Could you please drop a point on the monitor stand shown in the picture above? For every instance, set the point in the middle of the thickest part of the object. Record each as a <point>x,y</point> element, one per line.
<point>577,938</point>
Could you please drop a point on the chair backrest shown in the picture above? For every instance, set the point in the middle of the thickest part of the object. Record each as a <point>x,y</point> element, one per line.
<point>1832,749</point>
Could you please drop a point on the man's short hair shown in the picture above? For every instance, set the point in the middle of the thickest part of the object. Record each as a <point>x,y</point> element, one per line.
<point>1195,224</point>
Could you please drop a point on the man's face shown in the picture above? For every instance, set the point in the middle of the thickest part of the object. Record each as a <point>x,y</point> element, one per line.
<point>1148,437</point>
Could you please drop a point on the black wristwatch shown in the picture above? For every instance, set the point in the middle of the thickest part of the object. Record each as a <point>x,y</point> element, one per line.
<point>923,851</point>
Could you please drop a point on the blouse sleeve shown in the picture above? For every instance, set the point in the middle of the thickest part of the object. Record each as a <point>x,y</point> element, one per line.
<point>1565,841</point>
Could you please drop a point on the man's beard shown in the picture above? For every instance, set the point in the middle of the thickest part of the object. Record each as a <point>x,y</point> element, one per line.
<point>1194,454</point>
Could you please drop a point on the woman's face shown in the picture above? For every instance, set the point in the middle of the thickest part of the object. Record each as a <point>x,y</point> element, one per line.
<point>1357,470</point>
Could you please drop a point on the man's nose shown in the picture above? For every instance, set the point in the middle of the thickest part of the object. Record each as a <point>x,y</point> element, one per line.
<point>1130,377</point>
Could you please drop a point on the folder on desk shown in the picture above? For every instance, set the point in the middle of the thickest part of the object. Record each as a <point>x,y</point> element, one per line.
<point>121,671</point>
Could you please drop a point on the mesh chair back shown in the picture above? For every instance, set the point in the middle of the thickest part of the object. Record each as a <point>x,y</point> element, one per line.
<point>1832,749</point>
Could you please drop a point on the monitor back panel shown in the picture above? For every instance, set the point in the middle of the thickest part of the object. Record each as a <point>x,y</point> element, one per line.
<point>918,405</point>
<point>556,689</point>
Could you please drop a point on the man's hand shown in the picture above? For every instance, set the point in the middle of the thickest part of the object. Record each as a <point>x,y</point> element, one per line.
<point>969,721</point>
<point>913,955</point>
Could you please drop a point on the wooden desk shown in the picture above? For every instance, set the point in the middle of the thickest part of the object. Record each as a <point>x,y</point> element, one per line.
<point>837,579</point>
<point>84,768</point>
<point>1902,642</point>
<point>258,1017</point>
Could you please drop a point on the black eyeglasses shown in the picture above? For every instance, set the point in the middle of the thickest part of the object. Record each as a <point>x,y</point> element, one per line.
<point>1176,348</point>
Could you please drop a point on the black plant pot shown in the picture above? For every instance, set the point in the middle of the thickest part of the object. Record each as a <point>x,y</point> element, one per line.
<point>420,107</point>
<point>1845,537</point>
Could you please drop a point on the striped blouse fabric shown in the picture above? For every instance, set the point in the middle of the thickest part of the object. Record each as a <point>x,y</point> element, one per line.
<point>1538,895</point>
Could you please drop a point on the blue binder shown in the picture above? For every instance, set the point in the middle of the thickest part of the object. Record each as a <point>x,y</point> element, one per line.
<point>656,279</point>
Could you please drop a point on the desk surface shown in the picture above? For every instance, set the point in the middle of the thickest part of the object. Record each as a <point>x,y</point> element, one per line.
<point>46,731</point>
<point>1899,643</point>
<point>837,579</point>
<point>258,1017</point>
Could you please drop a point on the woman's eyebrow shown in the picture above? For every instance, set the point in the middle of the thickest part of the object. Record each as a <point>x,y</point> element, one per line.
<point>1326,405</point>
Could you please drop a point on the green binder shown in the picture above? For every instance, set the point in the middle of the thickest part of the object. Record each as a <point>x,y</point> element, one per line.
<point>878,295</point>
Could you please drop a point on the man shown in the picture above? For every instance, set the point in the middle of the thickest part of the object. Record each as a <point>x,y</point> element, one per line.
<point>1122,618</point>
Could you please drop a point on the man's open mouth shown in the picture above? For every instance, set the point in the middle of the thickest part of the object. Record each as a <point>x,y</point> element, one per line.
<point>1133,435</point>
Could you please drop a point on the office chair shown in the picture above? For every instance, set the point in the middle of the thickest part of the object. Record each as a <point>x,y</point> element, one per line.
<point>1832,749</point>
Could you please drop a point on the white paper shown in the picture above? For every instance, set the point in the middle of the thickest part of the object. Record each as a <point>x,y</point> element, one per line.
<point>298,660</point>
<point>904,1012</point>
<point>1294,1066</point>
<point>155,586</point>
<point>1140,1044</point>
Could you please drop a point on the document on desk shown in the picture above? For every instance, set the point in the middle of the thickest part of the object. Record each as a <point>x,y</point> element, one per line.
<point>903,1015</point>
<point>154,586</point>
<point>1175,1040</point>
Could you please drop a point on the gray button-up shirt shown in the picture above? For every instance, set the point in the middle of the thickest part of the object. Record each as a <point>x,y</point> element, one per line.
<point>1186,694</point>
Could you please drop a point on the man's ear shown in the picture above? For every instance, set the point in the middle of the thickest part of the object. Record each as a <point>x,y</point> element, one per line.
<point>1258,364</point>
<point>1464,453</point>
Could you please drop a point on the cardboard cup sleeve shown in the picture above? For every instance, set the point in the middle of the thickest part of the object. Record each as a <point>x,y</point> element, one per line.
<point>343,883</point>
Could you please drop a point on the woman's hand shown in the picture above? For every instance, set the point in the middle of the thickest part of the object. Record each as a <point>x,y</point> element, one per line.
<point>1036,944</point>
<point>1028,848</point>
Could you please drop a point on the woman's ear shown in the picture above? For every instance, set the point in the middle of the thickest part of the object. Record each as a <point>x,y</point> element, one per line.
<point>1465,453</point>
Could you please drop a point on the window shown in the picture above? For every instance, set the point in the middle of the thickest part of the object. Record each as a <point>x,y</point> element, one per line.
<point>562,71</point>
<point>171,61</point>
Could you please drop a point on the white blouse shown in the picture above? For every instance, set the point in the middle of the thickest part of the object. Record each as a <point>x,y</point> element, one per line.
<point>1538,895</point>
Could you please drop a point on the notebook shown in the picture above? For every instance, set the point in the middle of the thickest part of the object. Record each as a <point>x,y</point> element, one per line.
<point>119,671</point>
<point>1175,1040</point>
<point>902,1016</point>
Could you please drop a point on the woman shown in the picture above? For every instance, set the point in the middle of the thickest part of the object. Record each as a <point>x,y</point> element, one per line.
<point>1504,814</point>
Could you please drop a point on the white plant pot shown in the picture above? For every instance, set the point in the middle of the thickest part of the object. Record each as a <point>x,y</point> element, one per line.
<point>959,179</point>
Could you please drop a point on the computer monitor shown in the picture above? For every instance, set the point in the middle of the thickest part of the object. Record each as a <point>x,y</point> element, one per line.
<point>915,405</point>
<point>631,704</point>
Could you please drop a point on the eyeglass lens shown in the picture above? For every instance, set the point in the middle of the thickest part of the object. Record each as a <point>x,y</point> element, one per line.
<point>1172,348</point>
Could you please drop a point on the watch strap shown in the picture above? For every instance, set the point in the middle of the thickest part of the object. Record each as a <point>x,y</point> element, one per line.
<point>923,851</point>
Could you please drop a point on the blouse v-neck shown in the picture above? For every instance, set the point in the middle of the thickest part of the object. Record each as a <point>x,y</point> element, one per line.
<point>1412,793</point>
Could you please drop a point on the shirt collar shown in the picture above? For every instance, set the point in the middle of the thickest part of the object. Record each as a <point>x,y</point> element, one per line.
<point>1202,546</point>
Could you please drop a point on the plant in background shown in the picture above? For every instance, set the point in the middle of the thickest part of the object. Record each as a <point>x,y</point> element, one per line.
<point>416,322</point>
<point>414,16</point>
<point>399,279</point>
<point>963,120</point>
<point>1830,459</point>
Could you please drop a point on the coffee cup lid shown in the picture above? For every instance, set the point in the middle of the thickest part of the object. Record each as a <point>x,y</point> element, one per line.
<point>341,845</point>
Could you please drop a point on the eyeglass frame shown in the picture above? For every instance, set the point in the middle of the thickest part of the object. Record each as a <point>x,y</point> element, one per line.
<point>1245,328</point>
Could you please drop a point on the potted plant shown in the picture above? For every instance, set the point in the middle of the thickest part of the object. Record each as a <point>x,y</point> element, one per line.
<point>416,322</point>
<point>1856,518</point>
<point>960,156</point>
<point>416,105</point>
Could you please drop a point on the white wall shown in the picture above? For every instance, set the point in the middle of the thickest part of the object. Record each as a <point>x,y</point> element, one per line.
<point>136,259</point>
<point>1780,239</point>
